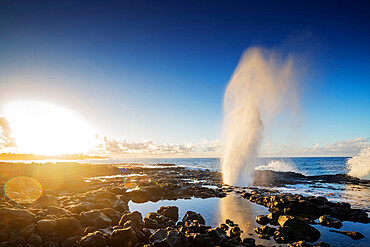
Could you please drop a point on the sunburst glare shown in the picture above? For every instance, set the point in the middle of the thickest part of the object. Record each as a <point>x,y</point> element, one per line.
<point>43,128</point>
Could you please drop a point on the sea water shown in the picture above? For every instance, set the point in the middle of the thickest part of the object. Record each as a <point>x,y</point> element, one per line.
<point>357,195</point>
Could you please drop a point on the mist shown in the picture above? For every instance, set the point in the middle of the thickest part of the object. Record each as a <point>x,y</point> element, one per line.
<point>262,85</point>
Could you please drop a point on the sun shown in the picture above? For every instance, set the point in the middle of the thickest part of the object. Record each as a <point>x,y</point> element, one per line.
<point>43,128</point>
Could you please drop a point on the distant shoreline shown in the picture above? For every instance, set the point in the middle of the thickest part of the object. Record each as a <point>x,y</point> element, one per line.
<point>12,156</point>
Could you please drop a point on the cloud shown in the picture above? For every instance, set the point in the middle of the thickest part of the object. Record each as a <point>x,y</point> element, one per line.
<point>349,147</point>
<point>6,139</point>
<point>122,147</point>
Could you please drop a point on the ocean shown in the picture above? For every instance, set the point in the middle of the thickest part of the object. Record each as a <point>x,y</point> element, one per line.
<point>357,195</point>
<point>243,212</point>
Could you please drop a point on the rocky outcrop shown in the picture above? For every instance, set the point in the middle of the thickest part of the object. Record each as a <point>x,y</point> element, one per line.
<point>326,220</point>
<point>352,234</point>
<point>15,217</point>
<point>298,229</point>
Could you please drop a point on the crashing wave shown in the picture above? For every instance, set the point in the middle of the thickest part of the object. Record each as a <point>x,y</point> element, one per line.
<point>278,166</point>
<point>359,166</point>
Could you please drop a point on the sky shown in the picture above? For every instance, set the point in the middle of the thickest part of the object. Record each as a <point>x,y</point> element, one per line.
<point>151,75</point>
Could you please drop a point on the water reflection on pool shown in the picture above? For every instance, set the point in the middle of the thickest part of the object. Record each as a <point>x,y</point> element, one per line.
<point>243,212</point>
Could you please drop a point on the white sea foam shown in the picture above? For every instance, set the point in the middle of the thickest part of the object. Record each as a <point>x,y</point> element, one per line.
<point>359,166</point>
<point>278,166</point>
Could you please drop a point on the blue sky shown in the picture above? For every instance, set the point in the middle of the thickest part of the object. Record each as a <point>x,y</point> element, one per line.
<point>157,70</point>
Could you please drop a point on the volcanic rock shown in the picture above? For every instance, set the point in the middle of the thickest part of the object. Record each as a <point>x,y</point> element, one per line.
<point>190,215</point>
<point>15,217</point>
<point>94,239</point>
<point>171,212</point>
<point>262,219</point>
<point>135,217</point>
<point>352,234</point>
<point>300,230</point>
<point>123,237</point>
<point>95,218</point>
<point>326,220</point>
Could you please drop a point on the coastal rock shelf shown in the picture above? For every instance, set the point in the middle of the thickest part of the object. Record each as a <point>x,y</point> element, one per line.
<point>92,209</point>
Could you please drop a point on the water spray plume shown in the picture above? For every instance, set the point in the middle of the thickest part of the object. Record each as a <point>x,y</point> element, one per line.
<point>262,85</point>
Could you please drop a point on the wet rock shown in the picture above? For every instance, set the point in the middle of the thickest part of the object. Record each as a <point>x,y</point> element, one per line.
<point>50,243</point>
<point>68,226</point>
<point>201,240</point>
<point>47,200</point>
<point>15,217</point>
<point>153,221</point>
<point>305,244</point>
<point>235,232</point>
<point>123,237</point>
<point>120,206</point>
<point>326,220</point>
<point>95,218</point>
<point>158,236</point>
<point>230,222</point>
<point>217,234</point>
<point>176,239</point>
<point>171,212</point>
<point>249,242</point>
<point>171,238</point>
<point>196,227</point>
<point>300,230</point>
<point>265,232</point>
<point>224,227</point>
<point>282,234</point>
<point>262,219</point>
<point>95,239</point>
<point>135,217</point>
<point>53,210</point>
<point>89,229</point>
<point>352,234</point>
<point>273,218</point>
<point>34,239</point>
<point>71,242</point>
<point>45,225</point>
<point>138,196</point>
<point>117,190</point>
<point>27,231</point>
<point>114,215</point>
<point>80,207</point>
<point>190,215</point>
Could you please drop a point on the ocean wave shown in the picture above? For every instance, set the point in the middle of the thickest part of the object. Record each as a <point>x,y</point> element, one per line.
<point>279,166</point>
<point>359,166</point>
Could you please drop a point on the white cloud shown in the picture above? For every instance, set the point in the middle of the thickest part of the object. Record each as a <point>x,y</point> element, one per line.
<point>349,147</point>
<point>122,147</point>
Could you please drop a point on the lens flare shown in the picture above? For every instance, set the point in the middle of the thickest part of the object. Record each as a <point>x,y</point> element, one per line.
<point>23,189</point>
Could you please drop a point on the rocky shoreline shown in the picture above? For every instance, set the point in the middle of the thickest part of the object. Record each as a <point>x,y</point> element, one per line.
<point>90,208</point>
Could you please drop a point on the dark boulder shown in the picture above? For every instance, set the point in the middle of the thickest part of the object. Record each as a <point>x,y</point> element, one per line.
<point>300,230</point>
<point>123,237</point>
<point>94,239</point>
<point>46,225</point>
<point>262,219</point>
<point>68,226</point>
<point>217,235</point>
<point>190,215</point>
<point>15,217</point>
<point>171,212</point>
<point>135,217</point>
<point>95,218</point>
<point>352,234</point>
<point>235,232</point>
<point>326,220</point>
<point>265,232</point>
<point>71,242</point>
<point>34,239</point>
